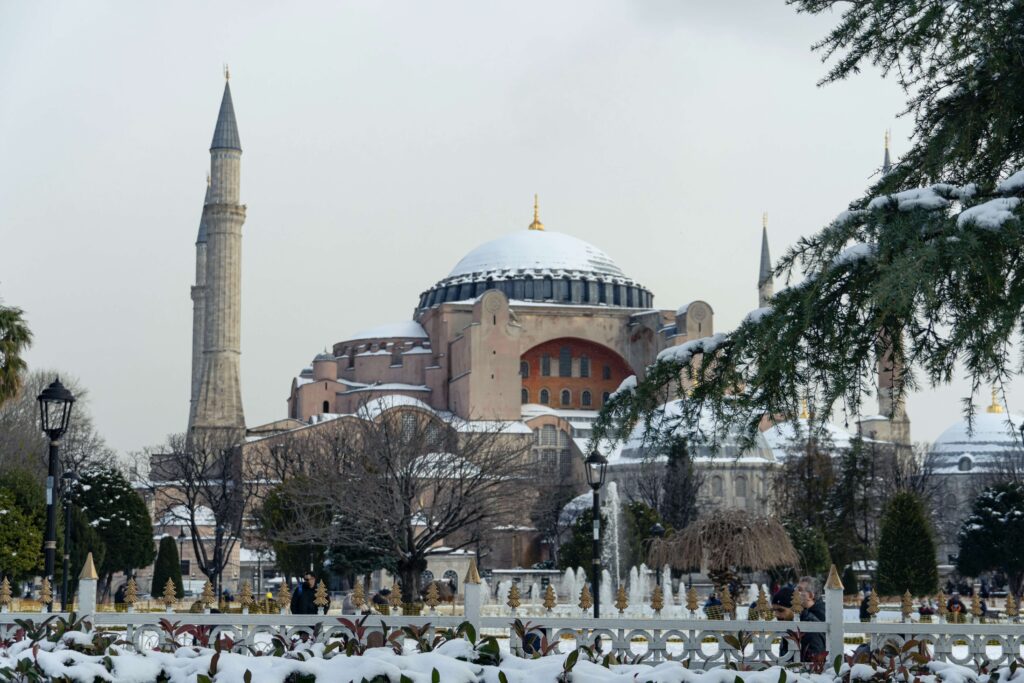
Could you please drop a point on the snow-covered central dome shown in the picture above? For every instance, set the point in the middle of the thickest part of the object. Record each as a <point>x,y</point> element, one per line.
<point>536,250</point>
<point>540,266</point>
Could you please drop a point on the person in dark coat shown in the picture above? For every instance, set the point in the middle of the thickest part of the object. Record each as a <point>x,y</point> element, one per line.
<point>304,595</point>
<point>812,645</point>
<point>808,586</point>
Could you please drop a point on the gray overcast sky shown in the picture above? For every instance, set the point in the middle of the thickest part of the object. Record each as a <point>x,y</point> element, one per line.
<point>384,140</point>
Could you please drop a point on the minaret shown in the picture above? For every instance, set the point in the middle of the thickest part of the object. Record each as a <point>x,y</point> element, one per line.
<point>765,281</point>
<point>886,161</point>
<point>198,310</point>
<point>219,403</point>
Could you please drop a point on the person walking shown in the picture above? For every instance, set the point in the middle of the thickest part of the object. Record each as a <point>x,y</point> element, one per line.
<point>812,645</point>
<point>304,596</point>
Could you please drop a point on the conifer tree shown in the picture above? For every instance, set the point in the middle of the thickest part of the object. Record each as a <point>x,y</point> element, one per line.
<point>680,487</point>
<point>906,549</point>
<point>992,537</point>
<point>168,566</point>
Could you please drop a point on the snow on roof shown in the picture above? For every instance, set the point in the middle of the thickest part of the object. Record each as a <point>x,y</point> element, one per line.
<point>536,250</point>
<point>409,329</point>
<point>253,556</point>
<point>786,438</point>
<point>390,386</point>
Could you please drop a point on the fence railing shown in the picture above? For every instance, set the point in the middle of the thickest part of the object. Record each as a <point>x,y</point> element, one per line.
<point>704,642</point>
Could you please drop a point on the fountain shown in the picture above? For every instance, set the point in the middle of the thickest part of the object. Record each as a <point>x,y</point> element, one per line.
<point>581,578</point>
<point>606,592</point>
<point>645,582</point>
<point>568,584</point>
<point>636,595</point>
<point>611,542</point>
<point>485,592</point>
<point>534,594</point>
<point>666,583</point>
<point>503,588</point>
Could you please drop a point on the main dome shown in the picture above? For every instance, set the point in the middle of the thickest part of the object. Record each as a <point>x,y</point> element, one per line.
<point>540,266</point>
<point>536,250</point>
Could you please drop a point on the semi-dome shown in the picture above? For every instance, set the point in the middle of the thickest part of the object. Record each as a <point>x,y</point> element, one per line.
<point>983,446</point>
<point>542,266</point>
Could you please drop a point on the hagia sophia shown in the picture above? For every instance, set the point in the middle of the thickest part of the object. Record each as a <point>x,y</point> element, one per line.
<point>536,329</point>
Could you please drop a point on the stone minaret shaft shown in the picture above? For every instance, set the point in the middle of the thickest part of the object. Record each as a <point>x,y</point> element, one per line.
<point>765,281</point>
<point>219,400</point>
<point>198,311</point>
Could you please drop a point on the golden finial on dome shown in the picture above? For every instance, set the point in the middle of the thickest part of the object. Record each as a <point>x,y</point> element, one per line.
<point>536,224</point>
<point>995,407</point>
<point>804,413</point>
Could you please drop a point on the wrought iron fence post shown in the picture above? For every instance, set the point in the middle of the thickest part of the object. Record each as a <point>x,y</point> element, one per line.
<point>834,636</point>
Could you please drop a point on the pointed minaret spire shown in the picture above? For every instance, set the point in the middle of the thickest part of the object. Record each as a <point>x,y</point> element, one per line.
<point>536,224</point>
<point>765,283</point>
<point>225,135</point>
<point>886,161</point>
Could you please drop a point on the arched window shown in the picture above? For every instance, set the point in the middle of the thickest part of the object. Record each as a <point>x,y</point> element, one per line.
<point>545,365</point>
<point>741,487</point>
<point>716,486</point>
<point>566,397</point>
<point>452,578</point>
<point>584,366</point>
<point>565,362</point>
<point>524,368</point>
<point>965,464</point>
<point>327,406</point>
<point>549,436</point>
<point>426,577</point>
<point>545,397</point>
<point>585,399</point>
<point>524,395</point>
<point>563,438</point>
<point>528,289</point>
<point>546,288</point>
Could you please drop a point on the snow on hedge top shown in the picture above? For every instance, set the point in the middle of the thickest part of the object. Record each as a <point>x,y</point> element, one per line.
<point>536,250</point>
<point>989,215</point>
<point>685,352</point>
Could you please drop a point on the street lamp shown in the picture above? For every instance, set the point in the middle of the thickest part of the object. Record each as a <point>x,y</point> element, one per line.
<point>597,467</point>
<point>54,414</point>
<point>68,478</point>
<point>181,547</point>
<point>657,531</point>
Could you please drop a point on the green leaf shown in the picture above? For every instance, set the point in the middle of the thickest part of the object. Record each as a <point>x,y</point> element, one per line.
<point>782,676</point>
<point>435,676</point>
<point>837,663</point>
<point>247,676</point>
<point>502,678</point>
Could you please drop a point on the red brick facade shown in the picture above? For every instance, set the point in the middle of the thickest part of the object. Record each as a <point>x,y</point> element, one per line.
<point>606,370</point>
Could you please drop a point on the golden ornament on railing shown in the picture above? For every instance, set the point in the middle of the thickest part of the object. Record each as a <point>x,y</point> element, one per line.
<point>320,598</point>
<point>131,592</point>
<point>906,604</point>
<point>550,599</point>
<point>764,610</point>
<point>433,597</point>
<point>942,605</point>
<point>873,603</point>
<point>586,601</point>
<point>395,599</point>
<point>170,596</point>
<point>976,604</point>
<point>657,599</point>
<point>358,596</point>
<point>728,606</point>
<point>691,599</point>
<point>6,595</point>
<point>1012,610</point>
<point>245,598</point>
<point>621,601</point>
<point>514,598</point>
<point>46,593</point>
<point>207,598</point>
<point>284,596</point>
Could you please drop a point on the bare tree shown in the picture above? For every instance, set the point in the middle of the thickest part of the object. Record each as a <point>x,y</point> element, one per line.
<point>203,482</point>
<point>401,479</point>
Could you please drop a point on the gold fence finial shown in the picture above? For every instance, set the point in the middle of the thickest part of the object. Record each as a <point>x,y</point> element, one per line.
<point>170,596</point>
<point>433,596</point>
<point>89,569</point>
<point>586,602</point>
<point>550,599</point>
<point>691,599</point>
<point>472,574</point>
<point>245,596</point>
<point>621,600</point>
<point>834,582</point>
<point>657,599</point>
<point>514,597</point>
<point>358,595</point>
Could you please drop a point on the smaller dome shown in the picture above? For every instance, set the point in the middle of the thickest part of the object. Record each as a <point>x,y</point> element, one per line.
<point>994,436</point>
<point>324,356</point>
<point>785,438</point>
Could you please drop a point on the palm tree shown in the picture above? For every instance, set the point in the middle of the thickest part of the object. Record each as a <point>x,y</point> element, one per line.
<point>15,337</point>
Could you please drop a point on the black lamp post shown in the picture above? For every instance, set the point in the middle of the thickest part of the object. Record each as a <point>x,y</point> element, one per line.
<point>67,479</point>
<point>181,548</point>
<point>657,531</point>
<point>597,467</point>
<point>54,414</point>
